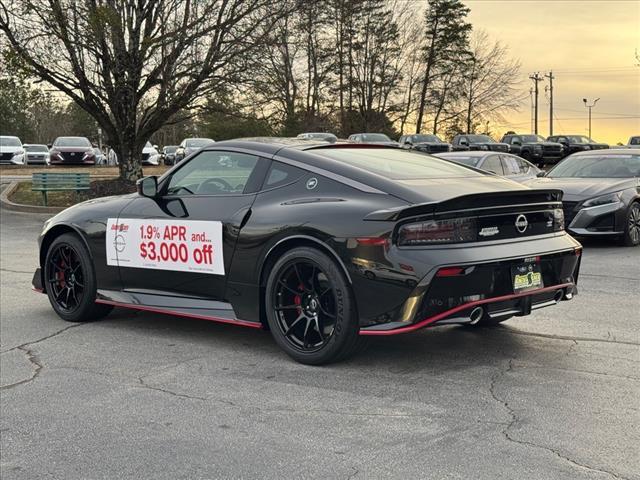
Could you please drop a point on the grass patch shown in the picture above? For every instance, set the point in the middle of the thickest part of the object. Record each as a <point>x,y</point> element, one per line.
<point>99,188</point>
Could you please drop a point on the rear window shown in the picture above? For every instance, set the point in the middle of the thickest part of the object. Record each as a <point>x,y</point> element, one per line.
<point>397,164</point>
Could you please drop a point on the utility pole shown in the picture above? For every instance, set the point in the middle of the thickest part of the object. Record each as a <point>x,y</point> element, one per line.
<point>550,77</point>
<point>590,107</point>
<point>536,78</point>
<point>531,109</point>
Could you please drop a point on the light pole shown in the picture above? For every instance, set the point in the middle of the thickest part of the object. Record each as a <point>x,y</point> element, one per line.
<point>590,107</point>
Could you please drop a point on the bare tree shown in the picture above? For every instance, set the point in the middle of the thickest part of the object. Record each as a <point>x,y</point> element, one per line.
<point>446,36</point>
<point>490,79</point>
<point>133,64</point>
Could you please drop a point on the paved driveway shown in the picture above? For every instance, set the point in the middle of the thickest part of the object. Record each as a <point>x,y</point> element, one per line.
<point>554,395</point>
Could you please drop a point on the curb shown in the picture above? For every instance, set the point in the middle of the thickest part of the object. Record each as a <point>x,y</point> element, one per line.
<point>18,207</point>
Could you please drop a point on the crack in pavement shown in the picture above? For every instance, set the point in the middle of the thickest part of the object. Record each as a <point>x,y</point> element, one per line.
<point>514,420</point>
<point>14,271</point>
<point>353,475</point>
<point>35,362</point>
<point>573,339</point>
<point>54,334</point>
<point>169,392</point>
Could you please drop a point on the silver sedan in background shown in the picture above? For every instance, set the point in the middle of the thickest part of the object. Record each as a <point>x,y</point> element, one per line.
<point>503,164</point>
<point>36,154</point>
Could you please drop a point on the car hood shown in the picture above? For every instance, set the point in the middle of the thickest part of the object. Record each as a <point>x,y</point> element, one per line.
<point>422,190</point>
<point>429,144</point>
<point>545,144</point>
<point>578,189</point>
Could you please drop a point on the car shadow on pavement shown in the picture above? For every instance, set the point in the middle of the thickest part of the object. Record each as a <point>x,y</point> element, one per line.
<point>437,348</point>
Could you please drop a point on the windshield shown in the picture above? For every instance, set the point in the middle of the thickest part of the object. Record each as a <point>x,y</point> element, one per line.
<point>10,142</point>
<point>71,142</point>
<point>597,166</point>
<point>425,138</point>
<point>397,164</point>
<point>532,138</point>
<point>170,149</point>
<point>375,137</point>
<point>579,139</point>
<point>198,142</point>
<point>480,139</point>
<point>36,148</point>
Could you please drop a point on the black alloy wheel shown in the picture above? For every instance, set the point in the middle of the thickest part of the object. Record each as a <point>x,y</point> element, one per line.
<point>632,229</point>
<point>70,280</point>
<point>65,278</point>
<point>310,309</point>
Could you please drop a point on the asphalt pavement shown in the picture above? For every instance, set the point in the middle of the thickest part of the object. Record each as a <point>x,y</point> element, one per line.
<point>551,396</point>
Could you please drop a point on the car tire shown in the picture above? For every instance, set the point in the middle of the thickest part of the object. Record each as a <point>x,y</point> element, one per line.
<point>70,281</point>
<point>631,237</point>
<point>310,308</point>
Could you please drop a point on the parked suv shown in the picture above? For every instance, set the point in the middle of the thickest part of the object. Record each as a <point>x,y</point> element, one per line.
<point>534,148</point>
<point>424,143</point>
<point>577,143</point>
<point>461,143</point>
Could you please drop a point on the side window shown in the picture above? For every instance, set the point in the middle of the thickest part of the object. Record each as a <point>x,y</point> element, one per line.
<point>516,139</point>
<point>281,174</point>
<point>463,140</point>
<point>561,139</point>
<point>213,173</point>
<point>492,164</point>
<point>524,166</point>
<point>510,165</point>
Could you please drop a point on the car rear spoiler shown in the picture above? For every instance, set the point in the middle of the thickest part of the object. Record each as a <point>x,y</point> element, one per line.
<point>475,201</point>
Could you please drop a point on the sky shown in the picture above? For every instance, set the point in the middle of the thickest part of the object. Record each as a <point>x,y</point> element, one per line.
<point>589,45</point>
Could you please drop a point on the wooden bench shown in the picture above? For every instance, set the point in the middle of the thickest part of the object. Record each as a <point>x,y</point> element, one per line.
<point>56,182</point>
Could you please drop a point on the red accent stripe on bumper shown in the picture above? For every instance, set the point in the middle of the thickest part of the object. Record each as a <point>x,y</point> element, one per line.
<point>242,323</point>
<point>429,320</point>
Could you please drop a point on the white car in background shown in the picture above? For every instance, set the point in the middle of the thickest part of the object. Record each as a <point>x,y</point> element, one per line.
<point>150,155</point>
<point>36,154</point>
<point>11,151</point>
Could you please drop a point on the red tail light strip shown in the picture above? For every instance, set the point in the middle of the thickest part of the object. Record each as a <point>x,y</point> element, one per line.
<point>429,320</point>
<point>242,323</point>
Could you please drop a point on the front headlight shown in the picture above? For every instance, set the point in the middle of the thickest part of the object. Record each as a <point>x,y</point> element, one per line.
<point>603,199</point>
<point>18,152</point>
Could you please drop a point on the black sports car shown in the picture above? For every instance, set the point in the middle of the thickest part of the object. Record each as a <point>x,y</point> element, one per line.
<point>601,193</point>
<point>320,243</point>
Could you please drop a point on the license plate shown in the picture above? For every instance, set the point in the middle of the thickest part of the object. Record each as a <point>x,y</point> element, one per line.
<point>526,276</point>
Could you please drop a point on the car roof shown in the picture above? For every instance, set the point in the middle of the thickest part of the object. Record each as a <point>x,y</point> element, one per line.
<point>70,136</point>
<point>610,151</point>
<point>470,153</point>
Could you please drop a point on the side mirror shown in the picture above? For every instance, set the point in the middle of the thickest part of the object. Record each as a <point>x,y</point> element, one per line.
<point>148,186</point>
<point>464,143</point>
<point>541,174</point>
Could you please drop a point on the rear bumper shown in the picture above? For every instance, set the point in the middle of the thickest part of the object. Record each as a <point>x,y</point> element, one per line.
<point>486,278</point>
<point>518,304</point>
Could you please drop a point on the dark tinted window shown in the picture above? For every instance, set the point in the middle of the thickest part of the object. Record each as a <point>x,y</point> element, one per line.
<point>281,174</point>
<point>397,164</point>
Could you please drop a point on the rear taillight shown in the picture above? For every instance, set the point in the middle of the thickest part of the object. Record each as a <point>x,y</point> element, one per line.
<point>433,232</point>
